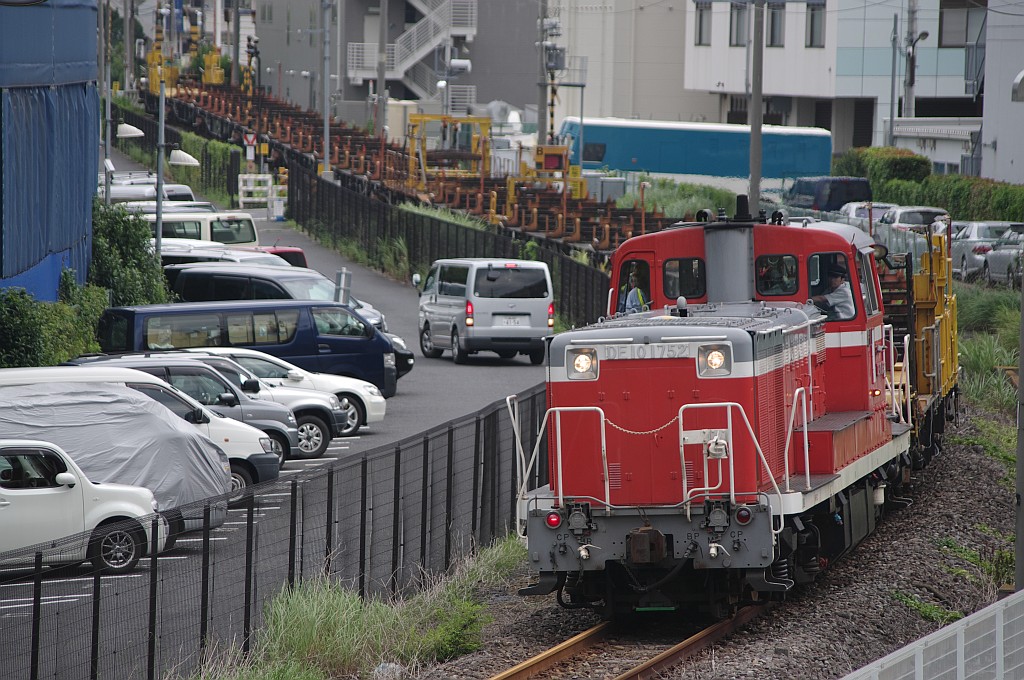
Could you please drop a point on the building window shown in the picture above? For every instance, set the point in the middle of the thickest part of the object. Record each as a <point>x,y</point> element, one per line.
<point>815,25</point>
<point>266,14</point>
<point>961,22</point>
<point>775,36</point>
<point>703,24</point>
<point>737,24</point>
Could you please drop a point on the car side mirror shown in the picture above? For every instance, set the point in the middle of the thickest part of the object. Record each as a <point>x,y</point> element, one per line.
<point>416,280</point>
<point>251,385</point>
<point>293,375</point>
<point>66,479</point>
<point>227,399</point>
<point>196,416</point>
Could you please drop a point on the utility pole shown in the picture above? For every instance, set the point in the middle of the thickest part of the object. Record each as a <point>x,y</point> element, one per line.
<point>754,116</point>
<point>542,75</point>
<point>325,105</point>
<point>382,71</point>
<point>908,78</point>
<point>236,70</point>
<point>892,98</point>
<point>129,55</point>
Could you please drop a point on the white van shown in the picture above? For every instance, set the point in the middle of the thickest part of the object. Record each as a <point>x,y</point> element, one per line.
<point>47,502</point>
<point>252,454</point>
<point>227,228</point>
<point>486,304</point>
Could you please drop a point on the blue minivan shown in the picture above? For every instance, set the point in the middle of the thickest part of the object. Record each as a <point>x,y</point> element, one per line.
<point>317,335</point>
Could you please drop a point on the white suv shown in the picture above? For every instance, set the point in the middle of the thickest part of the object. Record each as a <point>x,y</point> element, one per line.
<point>45,497</point>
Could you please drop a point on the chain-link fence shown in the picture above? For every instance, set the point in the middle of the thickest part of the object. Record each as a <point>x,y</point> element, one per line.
<point>377,523</point>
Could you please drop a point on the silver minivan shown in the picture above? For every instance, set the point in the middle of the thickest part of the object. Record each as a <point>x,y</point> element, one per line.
<point>469,305</point>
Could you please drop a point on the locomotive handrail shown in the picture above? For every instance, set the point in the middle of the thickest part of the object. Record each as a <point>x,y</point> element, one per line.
<point>511,401</point>
<point>729,406</point>
<point>800,394</point>
<point>905,379</point>
<point>890,369</point>
<point>810,353</point>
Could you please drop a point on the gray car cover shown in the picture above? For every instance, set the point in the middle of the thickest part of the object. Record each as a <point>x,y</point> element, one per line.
<point>116,434</point>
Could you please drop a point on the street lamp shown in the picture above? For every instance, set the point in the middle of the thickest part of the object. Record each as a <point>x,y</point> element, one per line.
<point>909,77</point>
<point>177,157</point>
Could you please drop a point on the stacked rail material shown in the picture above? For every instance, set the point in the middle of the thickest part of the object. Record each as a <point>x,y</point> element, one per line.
<point>456,178</point>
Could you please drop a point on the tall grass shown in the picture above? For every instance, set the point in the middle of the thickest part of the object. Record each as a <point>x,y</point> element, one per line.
<point>321,630</point>
<point>678,200</point>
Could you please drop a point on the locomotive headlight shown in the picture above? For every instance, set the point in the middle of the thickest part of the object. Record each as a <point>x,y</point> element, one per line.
<point>581,363</point>
<point>714,360</point>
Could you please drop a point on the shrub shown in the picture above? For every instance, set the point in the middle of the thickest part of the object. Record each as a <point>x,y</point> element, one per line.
<point>122,258</point>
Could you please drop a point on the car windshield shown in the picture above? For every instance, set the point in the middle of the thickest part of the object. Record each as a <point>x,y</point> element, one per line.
<point>989,232</point>
<point>233,230</point>
<point>511,282</point>
<point>309,288</point>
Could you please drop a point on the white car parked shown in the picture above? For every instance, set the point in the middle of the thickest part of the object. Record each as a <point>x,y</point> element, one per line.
<point>361,400</point>
<point>47,501</point>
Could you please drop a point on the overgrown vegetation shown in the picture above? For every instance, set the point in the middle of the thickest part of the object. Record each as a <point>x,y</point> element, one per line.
<point>678,200</point>
<point>997,565</point>
<point>123,259</point>
<point>989,323</point>
<point>928,611</point>
<point>445,213</point>
<point>321,630</point>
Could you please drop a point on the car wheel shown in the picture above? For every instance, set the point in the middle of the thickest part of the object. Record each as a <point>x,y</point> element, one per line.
<point>240,478</point>
<point>427,344</point>
<point>537,356</point>
<point>355,414</point>
<point>314,437</point>
<point>507,353</point>
<point>281,446</point>
<point>116,548</point>
<point>458,355</point>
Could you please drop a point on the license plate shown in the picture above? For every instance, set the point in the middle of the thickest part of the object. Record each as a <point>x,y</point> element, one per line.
<point>510,321</point>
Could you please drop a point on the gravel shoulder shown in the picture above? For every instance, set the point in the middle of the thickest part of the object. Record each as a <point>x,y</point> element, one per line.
<point>851,616</point>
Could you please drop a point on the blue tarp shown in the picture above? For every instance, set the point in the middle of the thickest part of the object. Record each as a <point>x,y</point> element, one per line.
<point>49,142</point>
<point>53,43</point>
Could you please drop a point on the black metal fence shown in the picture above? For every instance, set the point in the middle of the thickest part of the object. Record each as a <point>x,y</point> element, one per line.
<point>375,523</point>
<point>332,212</point>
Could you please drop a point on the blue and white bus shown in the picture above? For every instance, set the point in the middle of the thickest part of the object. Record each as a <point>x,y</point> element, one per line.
<point>713,149</point>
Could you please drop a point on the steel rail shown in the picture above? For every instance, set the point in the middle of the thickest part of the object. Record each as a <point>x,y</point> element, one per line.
<point>537,665</point>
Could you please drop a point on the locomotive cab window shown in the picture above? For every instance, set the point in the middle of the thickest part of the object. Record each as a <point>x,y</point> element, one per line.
<point>634,286</point>
<point>776,275</point>
<point>829,280</point>
<point>867,282</point>
<point>684,276</point>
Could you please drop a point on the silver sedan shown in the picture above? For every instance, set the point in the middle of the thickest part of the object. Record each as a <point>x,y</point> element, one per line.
<point>971,240</point>
<point>1003,263</point>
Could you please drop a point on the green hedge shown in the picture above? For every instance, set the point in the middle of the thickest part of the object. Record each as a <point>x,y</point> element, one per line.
<point>900,176</point>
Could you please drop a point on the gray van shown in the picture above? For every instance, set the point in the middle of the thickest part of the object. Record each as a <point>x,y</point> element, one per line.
<point>469,305</point>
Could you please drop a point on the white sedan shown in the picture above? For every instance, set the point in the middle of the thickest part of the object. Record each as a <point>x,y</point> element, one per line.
<point>361,400</point>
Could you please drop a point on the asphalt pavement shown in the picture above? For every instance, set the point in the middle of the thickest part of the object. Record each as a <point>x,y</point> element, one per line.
<point>436,390</point>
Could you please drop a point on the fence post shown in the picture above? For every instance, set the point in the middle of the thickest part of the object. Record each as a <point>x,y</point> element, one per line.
<point>37,603</point>
<point>424,505</point>
<point>94,643</point>
<point>204,595</point>
<point>363,483</point>
<point>329,529</point>
<point>234,167</point>
<point>249,531</point>
<point>396,524</point>
<point>449,498</point>
<point>478,493</point>
<point>151,641</point>
<point>292,518</point>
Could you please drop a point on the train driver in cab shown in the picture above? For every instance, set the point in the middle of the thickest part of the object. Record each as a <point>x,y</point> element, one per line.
<point>837,302</point>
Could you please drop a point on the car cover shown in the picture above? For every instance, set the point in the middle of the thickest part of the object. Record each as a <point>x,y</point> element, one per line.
<point>116,434</point>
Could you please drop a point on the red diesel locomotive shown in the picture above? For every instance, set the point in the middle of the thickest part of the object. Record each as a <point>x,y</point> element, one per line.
<point>732,439</point>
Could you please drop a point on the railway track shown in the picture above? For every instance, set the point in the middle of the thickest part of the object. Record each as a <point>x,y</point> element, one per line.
<point>602,641</point>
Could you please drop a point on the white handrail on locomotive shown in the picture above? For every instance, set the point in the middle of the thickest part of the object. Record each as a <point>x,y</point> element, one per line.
<point>685,437</point>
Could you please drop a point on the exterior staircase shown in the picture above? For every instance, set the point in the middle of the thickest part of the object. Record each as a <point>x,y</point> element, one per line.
<point>442,20</point>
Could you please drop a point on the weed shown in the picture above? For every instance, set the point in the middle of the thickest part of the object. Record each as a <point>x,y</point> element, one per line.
<point>929,612</point>
<point>997,564</point>
<point>997,440</point>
